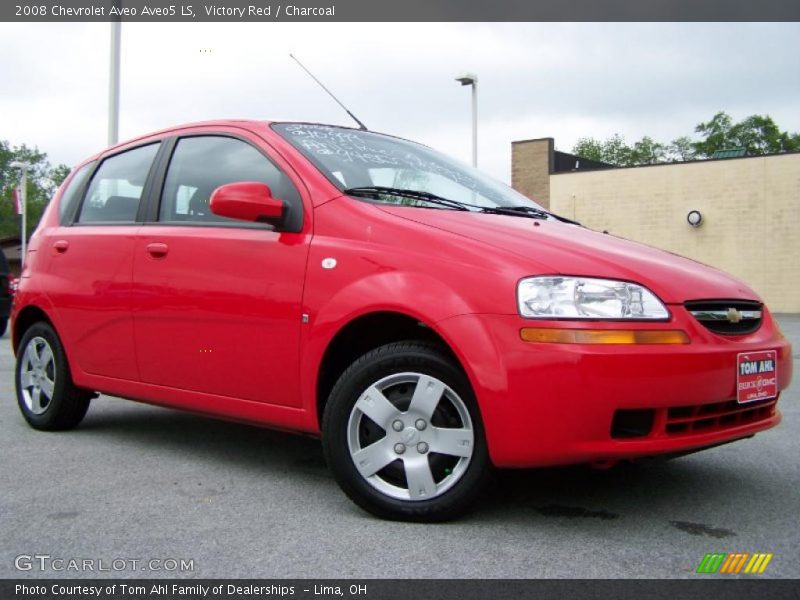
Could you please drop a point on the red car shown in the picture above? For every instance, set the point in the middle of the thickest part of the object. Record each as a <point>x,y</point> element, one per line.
<point>425,320</point>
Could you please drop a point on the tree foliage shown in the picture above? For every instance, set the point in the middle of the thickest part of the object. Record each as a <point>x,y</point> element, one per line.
<point>43,181</point>
<point>758,134</point>
<point>616,151</point>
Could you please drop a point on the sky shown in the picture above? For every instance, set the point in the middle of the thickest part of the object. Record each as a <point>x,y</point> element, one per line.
<point>564,81</point>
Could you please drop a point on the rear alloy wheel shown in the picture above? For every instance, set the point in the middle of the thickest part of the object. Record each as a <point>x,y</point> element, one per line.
<point>403,435</point>
<point>45,392</point>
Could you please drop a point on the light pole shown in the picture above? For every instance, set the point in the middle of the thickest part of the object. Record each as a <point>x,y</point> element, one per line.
<point>23,200</point>
<point>472,79</point>
<point>113,80</point>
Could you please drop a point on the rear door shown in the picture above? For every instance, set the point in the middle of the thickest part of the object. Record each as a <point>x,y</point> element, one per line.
<point>218,305</point>
<point>90,261</point>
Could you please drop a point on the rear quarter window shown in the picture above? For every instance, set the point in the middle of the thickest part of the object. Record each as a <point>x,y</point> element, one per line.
<point>71,194</point>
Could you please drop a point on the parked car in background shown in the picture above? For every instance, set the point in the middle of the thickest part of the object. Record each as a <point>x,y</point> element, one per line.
<point>6,293</point>
<point>426,321</point>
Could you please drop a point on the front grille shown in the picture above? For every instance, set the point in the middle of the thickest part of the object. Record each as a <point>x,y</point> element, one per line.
<point>727,317</point>
<point>629,424</point>
<point>701,418</point>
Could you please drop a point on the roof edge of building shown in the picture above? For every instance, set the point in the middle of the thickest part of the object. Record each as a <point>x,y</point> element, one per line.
<point>541,139</point>
<point>677,162</point>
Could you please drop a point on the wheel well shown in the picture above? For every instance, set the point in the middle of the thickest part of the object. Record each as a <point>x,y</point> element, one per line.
<point>27,317</point>
<point>362,335</point>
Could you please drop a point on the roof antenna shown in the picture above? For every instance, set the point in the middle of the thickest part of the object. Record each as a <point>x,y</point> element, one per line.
<point>360,124</point>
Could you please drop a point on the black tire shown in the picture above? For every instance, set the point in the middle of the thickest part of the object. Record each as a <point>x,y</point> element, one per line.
<point>345,427</point>
<point>68,405</point>
<point>3,326</point>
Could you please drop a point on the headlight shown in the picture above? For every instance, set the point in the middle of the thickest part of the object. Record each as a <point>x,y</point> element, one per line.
<point>587,298</point>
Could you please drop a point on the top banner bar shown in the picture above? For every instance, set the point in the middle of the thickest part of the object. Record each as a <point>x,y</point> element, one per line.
<point>264,11</point>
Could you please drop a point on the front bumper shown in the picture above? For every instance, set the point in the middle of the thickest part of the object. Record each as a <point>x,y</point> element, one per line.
<point>550,404</point>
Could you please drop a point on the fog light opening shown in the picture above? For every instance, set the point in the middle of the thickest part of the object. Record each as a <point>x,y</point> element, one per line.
<point>632,423</point>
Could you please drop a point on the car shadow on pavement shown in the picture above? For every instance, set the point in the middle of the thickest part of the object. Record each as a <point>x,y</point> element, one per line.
<point>169,431</point>
<point>579,494</point>
<point>576,494</point>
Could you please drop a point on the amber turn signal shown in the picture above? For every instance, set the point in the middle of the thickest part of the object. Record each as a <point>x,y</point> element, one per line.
<point>603,336</point>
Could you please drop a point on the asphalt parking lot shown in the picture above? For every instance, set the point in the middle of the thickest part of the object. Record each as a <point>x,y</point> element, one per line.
<point>135,482</point>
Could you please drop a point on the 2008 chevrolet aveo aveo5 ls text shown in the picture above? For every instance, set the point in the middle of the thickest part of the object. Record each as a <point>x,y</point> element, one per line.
<point>425,320</point>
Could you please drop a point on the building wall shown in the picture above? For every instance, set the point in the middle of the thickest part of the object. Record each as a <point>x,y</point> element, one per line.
<point>750,208</point>
<point>531,165</point>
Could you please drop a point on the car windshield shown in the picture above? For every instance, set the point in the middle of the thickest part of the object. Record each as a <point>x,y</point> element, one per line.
<point>362,161</point>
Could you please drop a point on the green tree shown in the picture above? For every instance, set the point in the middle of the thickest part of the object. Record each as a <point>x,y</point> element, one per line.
<point>681,149</point>
<point>647,152</point>
<point>617,152</point>
<point>43,181</point>
<point>58,175</point>
<point>588,148</point>
<point>614,150</point>
<point>758,134</point>
<point>716,135</point>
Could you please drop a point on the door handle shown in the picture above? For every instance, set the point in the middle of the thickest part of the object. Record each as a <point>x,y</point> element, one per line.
<point>157,250</point>
<point>61,246</point>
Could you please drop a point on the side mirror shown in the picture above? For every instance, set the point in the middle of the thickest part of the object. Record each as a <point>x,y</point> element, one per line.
<point>247,201</point>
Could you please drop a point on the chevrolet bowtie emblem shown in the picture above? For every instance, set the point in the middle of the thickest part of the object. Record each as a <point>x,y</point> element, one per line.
<point>734,316</point>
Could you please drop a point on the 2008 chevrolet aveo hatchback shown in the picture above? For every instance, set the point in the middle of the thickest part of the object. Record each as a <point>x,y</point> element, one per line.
<point>425,320</point>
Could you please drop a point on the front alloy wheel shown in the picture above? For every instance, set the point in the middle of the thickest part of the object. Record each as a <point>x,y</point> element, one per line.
<point>410,436</point>
<point>403,436</point>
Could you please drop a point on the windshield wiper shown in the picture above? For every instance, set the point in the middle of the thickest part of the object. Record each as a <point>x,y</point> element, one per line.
<point>526,211</point>
<point>530,212</point>
<point>373,191</point>
<point>517,211</point>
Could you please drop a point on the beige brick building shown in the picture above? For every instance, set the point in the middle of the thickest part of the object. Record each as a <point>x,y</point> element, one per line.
<point>750,208</point>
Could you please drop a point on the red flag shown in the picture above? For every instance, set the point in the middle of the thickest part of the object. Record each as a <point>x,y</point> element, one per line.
<point>17,202</point>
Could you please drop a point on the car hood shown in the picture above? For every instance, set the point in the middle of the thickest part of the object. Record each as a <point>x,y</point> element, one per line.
<point>553,247</point>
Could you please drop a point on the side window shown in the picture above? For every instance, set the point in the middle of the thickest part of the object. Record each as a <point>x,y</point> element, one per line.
<point>116,188</point>
<point>71,195</point>
<point>201,164</point>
